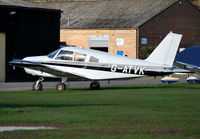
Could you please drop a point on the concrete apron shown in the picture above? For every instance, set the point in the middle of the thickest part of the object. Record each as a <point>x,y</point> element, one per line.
<point>12,128</point>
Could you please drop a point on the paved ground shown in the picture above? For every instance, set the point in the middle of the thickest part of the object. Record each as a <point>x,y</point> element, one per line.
<point>12,128</point>
<point>28,85</point>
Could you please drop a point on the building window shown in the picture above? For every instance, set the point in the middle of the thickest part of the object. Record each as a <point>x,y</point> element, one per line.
<point>121,53</point>
<point>144,40</point>
<point>120,42</point>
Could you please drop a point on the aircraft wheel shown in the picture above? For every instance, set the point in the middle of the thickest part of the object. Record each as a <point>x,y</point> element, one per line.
<point>95,85</point>
<point>60,87</point>
<point>37,86</point>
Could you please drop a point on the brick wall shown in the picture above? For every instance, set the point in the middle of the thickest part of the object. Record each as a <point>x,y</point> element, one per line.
<point>80,38</point>
<point>183,18</point>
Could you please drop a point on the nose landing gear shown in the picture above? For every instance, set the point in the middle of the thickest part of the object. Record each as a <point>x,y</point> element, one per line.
<point>37,86</point>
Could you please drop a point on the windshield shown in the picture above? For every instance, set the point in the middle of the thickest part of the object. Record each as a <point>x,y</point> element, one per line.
<point>65,55</point>
<point>52,54</point>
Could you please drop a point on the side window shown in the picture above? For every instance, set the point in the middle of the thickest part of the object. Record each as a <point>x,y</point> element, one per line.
<point>65,55</point>
<point>79,57</point>
<point>94,59</point>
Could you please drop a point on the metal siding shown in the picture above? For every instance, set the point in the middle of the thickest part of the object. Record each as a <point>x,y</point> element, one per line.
<point>29,32</point>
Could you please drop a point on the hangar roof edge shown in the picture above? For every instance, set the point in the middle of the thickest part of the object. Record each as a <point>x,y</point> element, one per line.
<point>24,5</point>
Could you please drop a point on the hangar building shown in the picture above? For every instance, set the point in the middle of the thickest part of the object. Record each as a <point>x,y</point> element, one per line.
<point>25,30</point>
<point>128,27</point>
<point>181,17</point>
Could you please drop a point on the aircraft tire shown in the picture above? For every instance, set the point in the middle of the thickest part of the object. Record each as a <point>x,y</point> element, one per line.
<point>95,85</point>
<point>37,87</point>
<point>60,87</point>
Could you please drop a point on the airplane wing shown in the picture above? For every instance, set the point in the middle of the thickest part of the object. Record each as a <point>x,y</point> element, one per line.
<point>188,65</point>
<point>70,72</point>
<point>43,68</point>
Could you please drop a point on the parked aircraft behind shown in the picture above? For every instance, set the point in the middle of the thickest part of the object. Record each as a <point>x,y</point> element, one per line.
<point>189,59</point>
<point>74,62</point>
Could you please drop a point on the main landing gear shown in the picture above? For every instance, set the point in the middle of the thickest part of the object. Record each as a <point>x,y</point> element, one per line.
<point>94,85</point>
<point>61,86</point>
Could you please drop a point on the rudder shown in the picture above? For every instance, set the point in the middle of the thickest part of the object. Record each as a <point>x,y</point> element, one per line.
<point>165,52</point>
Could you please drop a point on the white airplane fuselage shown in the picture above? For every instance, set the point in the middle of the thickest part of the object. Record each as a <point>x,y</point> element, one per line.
<point>107,66</point>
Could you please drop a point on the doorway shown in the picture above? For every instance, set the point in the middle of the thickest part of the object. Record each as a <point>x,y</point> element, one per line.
<point>99,42</point>
<point>2,57</point>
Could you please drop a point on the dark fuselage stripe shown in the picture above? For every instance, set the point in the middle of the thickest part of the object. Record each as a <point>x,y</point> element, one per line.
<point>108,69</point>
<point>151,73</point>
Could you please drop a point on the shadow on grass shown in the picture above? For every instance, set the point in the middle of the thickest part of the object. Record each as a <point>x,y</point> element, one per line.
<point>52,105</point>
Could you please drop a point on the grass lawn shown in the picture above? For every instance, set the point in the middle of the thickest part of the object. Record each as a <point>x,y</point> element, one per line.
<point>118,112</point>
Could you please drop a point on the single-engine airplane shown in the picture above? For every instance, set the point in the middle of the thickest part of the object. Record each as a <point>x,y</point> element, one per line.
<point>75,62</point>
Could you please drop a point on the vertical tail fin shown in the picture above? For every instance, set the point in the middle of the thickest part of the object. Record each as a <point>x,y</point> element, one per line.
<point>165,52</point>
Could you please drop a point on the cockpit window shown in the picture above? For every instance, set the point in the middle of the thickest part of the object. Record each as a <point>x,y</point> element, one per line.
<point>79,56</point>
<point>94,59</point>
<point>65,55</point>
<point>52,54</point>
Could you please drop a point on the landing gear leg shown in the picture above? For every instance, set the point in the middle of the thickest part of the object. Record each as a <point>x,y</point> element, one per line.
<point>37,86</point>
<point>94,85</point>
<point>62,85</point>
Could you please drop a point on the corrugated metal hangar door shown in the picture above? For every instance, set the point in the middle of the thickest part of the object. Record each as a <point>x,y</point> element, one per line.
<point>2,56</point>
<point>99,42</point>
